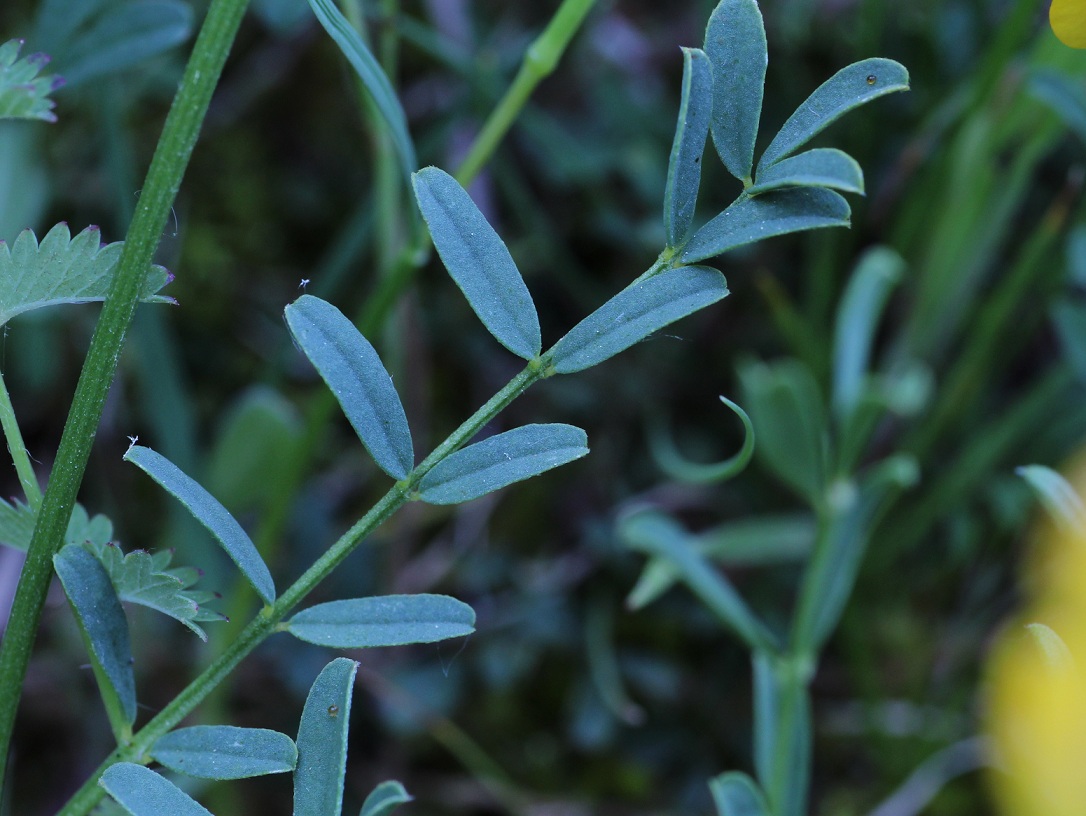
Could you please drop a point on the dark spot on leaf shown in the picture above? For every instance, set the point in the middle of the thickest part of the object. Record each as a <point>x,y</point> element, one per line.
<point>333,710</point>
<point>872,79</point>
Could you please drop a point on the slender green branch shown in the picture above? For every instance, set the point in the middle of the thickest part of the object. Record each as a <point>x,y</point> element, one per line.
<point>160,188</point>
<point>539,62</point>
<point>19,455</point>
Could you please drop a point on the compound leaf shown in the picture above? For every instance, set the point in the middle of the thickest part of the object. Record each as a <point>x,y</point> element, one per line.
<point>103,624</point>
<point>24,94</point>
<point>147,579</point>
<point>684,168</point>
<point>820,167</point>
<point>17,521</point>
<point>373,78</point>
<point>764,216</point>
<point>389,620</point>
<point>736,45</point>
<point>351,368</point>
<point>63,269</point>
<point>385,798</point>
<point>479,262</point>
<point>142,792</point>
<point>322,741</point>
<point>225,752</point>
<point>501,460</point>
<point>736,794</point>
<point>207,510</point>
<point>635,313</point>
<point>847,89</point>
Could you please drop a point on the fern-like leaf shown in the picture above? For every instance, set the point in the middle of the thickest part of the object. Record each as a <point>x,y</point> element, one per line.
<point>24,94</point>
<point>148,580</point>
<point>62,269</point>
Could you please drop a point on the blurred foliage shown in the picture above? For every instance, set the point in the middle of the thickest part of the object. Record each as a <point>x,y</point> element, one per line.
<point>564,701</point>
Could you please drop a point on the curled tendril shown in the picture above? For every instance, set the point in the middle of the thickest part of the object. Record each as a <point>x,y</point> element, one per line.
<point>678,467</point>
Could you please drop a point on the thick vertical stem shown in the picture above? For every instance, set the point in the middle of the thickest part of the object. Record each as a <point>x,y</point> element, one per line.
<point>159,190</point>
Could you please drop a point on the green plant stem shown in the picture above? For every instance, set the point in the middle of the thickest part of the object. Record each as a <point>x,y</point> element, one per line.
<point>17,447</point>
<point>270,618</point>
<point>159,191</point>
<point>539,62</point>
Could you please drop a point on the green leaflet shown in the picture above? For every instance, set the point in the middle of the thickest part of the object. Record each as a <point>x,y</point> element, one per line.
<point>501,460</point>
<point>479,262</point>
<point>635,313</point>
<point>750,542</point>
<point>24,94</point>
<point>353,371</point>
<point>373,78</point>
<point>104,626</point>
<point>389,620</point>
<point>63,269</point>
<point>736,794</point>
<point>777,213</point>
<point>385,798</point>
<point>147,579</point>
<point>820,167</point>
<point>1058,496</point>
<point>858,315</point>
<point>684,167</point>
<point>142,792</point>
<point>675,465</point>
<point>225,752</point>
<point>660,536</point>
<point>91,39</point>
<point>847,89</point>
<point>207,510</point>
<point>322,741</point>
<point>736,45</point>
<point>785,404</point>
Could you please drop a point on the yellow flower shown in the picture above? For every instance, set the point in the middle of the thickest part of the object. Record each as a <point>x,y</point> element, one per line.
<point>1037,689</point>
<point>1068,18</point>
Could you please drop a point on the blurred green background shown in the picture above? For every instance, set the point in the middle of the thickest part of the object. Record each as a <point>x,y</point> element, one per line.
<point>563,702</point>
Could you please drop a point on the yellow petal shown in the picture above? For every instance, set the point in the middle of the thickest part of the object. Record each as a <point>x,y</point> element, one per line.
<point>1068,18</point>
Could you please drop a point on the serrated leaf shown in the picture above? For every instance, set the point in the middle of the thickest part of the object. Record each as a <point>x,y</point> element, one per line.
<point>661,536</point>
<point>17,526</point>
<point>736,794</point>
<point>351,368</point>
<point>24,94</point>
<point>102,621</point>
<point>501,460</point>
<point>684,167</point>
<point>1058,496</point>
<point>479,262</point>
<point>145,579</point>
<point>385,798</point>
<point>63,269</point>
<point>849,88</point>
<point>820,167</point>
<point>322,741</point>
<point>764,216</point>
<point>736,45</point>
<point>94,38</point>
<point>225,752</point>
<point>389,620</point>
<point>373,78</point>
<point>635,313</point>
<point>142,792</point>
<point>207,510</point>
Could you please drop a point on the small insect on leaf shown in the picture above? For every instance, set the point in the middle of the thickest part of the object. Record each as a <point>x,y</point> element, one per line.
<point>333,711</point>
<point>872,79</point>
